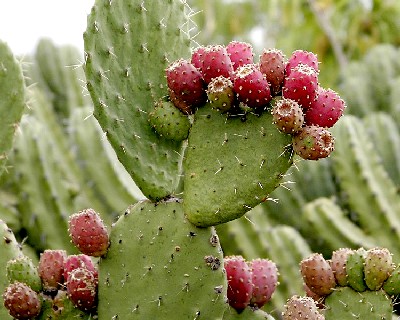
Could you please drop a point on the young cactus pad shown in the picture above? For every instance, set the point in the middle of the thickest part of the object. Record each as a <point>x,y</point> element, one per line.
<point>128,45</point>
<point>161,266</point>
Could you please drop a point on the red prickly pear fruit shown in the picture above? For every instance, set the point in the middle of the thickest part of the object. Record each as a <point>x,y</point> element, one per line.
<point>186,85</point>
<point>89,233</point>
<point>82,287</point>
<point>21,301</point>
<point>287,115</point>
<point>302,57</point>
<point>264,276</point>
<point>326,109</point>
<point>220,93</point>
<point>240,53</point>
<point>197,57</point>
<point>319,300</point>
<point>216,62</point>
<point>301,85</point>
<point>78,261</point>
<point>318,274</point>
<point>338,264</point>
<point>301,308</point>
<point>51,268</point>
<point>272,65</point>
<point>313,143</point>
<point>251,87</point>
<point>240,286</point>
<point>378,267</point>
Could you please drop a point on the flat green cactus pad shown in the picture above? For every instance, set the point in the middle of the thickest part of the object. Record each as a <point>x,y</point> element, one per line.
<point>159,266</point>
<point>231,165</point>
<point>128,45</point>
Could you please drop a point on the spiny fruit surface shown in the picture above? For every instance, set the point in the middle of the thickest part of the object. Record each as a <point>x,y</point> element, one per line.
<point>187,85</point>
<point>82,287</point>
<point>216,62</point>
<point>301,308</point>
<point>378,267</point>
<point>197,57</point>
<point>78,261</point>
<point>272,65</point>
<point>302,57</point>
<point>89,233</point>
<point>264,276</point>
<point>220,93</point>
<point>326,109</point>
<point>392,284</point>
<point>338,264</point>
<point>21,301</point>
<point>240,53</point>
<point>355,270</point>
<point>51,268</point>
<point>23,270</point>
<point>301,85</point>
<point>251,86</point>
<point>318,274</point>
<point>288,115</point>
<point>313,142</point>
<point>240,286</point>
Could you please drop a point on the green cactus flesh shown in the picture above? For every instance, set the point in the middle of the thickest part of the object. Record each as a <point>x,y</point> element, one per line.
<point>347,304</point>
<point>231,165</point>
<point>156,265</point>
<point>128,45</point>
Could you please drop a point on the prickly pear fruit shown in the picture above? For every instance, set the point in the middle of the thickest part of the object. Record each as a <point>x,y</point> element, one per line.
<point>264,276</point>
<point>288,115</point>
<point>355,270</point>
<point>240,53</point>
<point>302,57</point>
<point>169,122</point>
<point>82,287</point>
<point>216,62</point>
<point>89,233</point>
<point>21,301</point>
<point>272,65</point>
<point>240,286</point>
<point>338,264</point>
<point>251,86</point>
<point>51,268</point>
<point>313,142</point>
<point>318,274</point>
<point>378,267</point>
<point>23,270</point>
<point>78,261</point>
<point>197,57</point>
<point>392,284</point>
<point>301,308</point>
<point>220,93</point>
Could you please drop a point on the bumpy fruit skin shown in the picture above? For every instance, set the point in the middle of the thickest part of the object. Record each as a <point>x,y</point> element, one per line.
<point>23,270</point>
<point>287,115</point>
<point>264,276</point>
<point>197,57</point>
<point>89,233</point>
<point>313,143</point>
<point>301,308</point>
<point>338,264</point>
<point>301,85</point>
<point>355,270</point>
<point>251,86</point>
<point>326,109</point>
<point>272,65</point>
<point>220,93</point>
<point>240,53</point>
<point>392,284</point>
<point>318,274</point>
<point>216,62</point>
<point>302,57</point>
<point>51,268</point>
<point>378,267</point>
<point>186,84</point>
<point>21,301</point>
<point>82,288</point>
<point>78,261</point>
<point>240,286</point>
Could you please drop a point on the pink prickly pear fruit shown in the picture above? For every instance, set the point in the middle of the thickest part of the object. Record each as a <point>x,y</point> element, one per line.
<point>82,288</point>
<point>313,142</point>
<point>240,53</point>
<point>318,274</point>
<point>51,268</point>
<point>216,62</point>
<point>21,301</point>
<point>197,57</point>
<point>220,93</point>
<point>338,264</point>
<point>326,109</point>
<point>272,65</point>
<point>89,233</point>
<point>264,276</point>
<point>302,57</point>
<point>378,267</point>
<point>301,308</point>
<point>186,85</point>
<point>287,115</point>
<point>319,300</point>
<point>251,86</point>
<point>240,286</point>
<point>301,85</point>
<point>78,261</point>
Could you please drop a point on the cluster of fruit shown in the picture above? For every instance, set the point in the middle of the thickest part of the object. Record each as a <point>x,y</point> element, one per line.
<point>60,281</point>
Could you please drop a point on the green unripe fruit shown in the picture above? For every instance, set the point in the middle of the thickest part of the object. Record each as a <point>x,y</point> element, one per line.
<point>392,284</point>
<point>378,267</point>
<point>220,93</point>
<point>355,270</point>
<point>23,270</point>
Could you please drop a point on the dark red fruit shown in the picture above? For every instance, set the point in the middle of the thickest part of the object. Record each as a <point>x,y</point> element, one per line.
<point>302,57</point>
<point>265,280</point>
<point>78,261</point>
<point>272,65</point>
<point>82,287</point>
<point>240,53</point>
<point>51,268</point>
<point>21,301</point>
<point>197,57</point>
<point>216,62</point>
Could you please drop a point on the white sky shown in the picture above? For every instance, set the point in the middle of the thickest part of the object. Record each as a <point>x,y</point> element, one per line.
<point>23,22</point>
